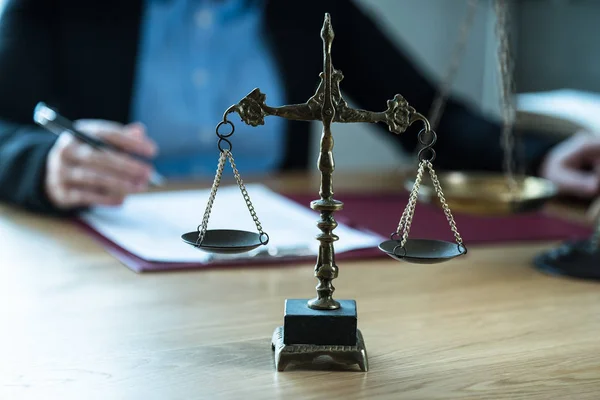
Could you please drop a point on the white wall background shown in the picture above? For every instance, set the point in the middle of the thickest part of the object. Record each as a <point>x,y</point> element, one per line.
<point>426,30</point>
<point>559,45</point>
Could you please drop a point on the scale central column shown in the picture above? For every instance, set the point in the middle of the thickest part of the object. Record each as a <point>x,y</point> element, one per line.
<point>325,268</point>
<point>322,326</point>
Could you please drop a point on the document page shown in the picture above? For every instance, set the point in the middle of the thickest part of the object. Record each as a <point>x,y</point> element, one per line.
<point>150,225</point>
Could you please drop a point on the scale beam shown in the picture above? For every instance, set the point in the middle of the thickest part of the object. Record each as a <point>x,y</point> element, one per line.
<point>398,116</point>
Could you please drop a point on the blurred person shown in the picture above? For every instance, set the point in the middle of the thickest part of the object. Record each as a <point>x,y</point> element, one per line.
<point>154,77</point>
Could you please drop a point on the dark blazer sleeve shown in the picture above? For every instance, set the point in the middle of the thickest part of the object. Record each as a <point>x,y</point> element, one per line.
<point>26,77</point>
<point>375,69</point>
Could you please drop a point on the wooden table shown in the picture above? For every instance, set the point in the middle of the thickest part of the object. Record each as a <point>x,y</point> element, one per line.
<point>78,325</point>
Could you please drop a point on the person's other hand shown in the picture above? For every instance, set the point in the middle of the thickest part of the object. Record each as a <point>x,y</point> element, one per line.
<point>574,166</point>
<point>77,175</point>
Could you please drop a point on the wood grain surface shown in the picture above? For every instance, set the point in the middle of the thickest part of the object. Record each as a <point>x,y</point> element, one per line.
<point>75,324</point>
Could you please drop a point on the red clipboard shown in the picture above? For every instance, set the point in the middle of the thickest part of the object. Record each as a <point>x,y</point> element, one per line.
<point>380,214</point>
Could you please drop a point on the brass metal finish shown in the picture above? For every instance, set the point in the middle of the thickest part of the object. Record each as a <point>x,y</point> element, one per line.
<point>406,220</point>
<point>327,105</point>
<point>423,251</point>
<point>225,241</point>
<point>308,353</point>
<point>483,193</point>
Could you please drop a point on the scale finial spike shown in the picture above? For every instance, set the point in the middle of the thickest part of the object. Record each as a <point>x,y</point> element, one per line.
<point>327,30</point>
<point>327,35</point>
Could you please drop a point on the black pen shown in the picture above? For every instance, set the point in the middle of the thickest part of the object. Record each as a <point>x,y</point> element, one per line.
<point>57,124</point>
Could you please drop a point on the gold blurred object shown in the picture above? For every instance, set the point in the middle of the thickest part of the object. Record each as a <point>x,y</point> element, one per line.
<point>487,193</point>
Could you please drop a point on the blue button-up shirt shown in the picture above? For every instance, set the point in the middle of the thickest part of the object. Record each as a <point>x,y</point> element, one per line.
<point>196,58</point>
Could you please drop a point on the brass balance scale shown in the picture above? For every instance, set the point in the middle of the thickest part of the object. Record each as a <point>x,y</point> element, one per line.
<point>323,325</point>
<point>488,193</point>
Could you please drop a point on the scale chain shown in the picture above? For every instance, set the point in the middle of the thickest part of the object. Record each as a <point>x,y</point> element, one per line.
<point>242,187</point>
<point>440,194</point>
<point>211,199</point>
<point>407,216</point>
<point>507,86</point>
<point>409,211</point>
<point>224,155</point>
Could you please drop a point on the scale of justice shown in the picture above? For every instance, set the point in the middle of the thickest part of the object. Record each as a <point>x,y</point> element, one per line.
<point>323,326</point>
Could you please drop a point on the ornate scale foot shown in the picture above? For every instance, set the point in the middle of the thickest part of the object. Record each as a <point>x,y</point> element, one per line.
<point>308,353</point>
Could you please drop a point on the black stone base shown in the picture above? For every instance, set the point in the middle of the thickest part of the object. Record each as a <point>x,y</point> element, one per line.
<point>303,325</point>
<point>572,259</point>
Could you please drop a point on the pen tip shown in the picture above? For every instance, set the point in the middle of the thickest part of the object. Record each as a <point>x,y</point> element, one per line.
<point>41,113</point>
<point>157,180</point>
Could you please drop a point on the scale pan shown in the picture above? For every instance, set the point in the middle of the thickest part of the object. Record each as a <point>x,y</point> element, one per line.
<point>225,241</point>
<point>422,251</point>
<point>485,193</point>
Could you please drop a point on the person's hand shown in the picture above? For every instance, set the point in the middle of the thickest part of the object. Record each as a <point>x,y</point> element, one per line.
<point>77,175</point>
<point>574,166</point>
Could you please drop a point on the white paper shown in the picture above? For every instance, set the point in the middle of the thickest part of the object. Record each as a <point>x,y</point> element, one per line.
<point>150,225</point>
<point>575,106</point>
